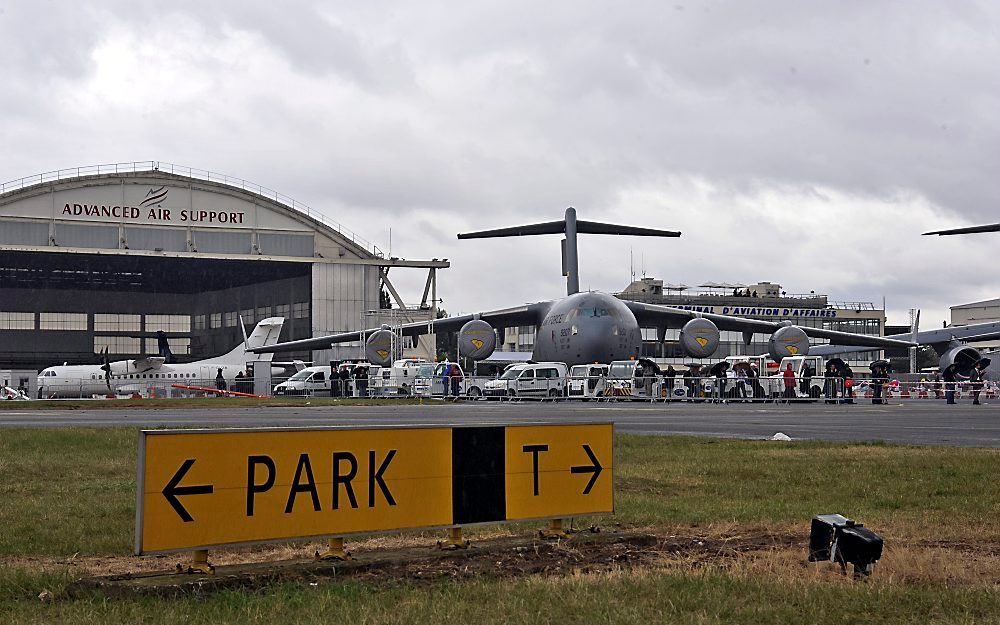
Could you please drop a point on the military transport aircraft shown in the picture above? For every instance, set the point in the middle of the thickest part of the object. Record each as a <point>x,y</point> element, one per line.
<point>591,326</point>
<point>951,344</point>
<point>86,380</point>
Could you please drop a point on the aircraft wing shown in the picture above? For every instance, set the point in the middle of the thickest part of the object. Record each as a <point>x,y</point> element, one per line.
<point>969,230</point>
<point>656,314</point>
<point>943,336</point>
<point>529,314</point>
<point>147,363</point>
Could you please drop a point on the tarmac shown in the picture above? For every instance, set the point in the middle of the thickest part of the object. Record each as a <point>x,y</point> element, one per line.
<point>914,422</point>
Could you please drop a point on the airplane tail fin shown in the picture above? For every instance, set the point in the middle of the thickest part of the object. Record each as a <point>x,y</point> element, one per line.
<point>570,226</point>
<point>265,333</point>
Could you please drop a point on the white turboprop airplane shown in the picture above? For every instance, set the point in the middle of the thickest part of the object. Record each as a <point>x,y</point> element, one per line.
<point>130,375</point>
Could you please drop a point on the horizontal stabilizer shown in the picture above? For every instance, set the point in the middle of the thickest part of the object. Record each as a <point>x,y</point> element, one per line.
<point>559,227</point>
<point>969,230</point>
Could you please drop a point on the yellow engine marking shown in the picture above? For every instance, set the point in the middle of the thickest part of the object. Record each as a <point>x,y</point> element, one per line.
<point>701,341</point>
<point>792,350</point>
<point>477,343</point>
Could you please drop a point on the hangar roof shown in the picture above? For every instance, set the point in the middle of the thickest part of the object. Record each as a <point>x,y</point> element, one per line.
<point>152,207</point>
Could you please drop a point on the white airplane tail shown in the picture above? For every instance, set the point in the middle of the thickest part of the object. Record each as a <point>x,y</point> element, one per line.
<point>265,333</point>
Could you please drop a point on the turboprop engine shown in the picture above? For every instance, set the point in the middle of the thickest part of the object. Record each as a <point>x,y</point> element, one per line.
<point>378,347</point>
<point>788,341</point>
<point>699,338</point>
<point>477,340</point>
<point>962,356</point>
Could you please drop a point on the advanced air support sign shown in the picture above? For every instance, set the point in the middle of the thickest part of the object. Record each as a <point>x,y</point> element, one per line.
<point>207,488</point>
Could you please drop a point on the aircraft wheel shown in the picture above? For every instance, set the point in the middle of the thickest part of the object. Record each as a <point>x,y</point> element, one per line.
<point>474,392</point>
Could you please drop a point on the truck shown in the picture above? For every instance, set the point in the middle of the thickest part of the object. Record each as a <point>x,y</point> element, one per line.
<point>396,379</point>
<point>634,379</point>
<point>428,381</point>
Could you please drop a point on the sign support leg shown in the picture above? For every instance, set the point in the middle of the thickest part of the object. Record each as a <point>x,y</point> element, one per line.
<point>335,551</point>
<point>455,540</point>
<point>199,564</point>
<point>554,530</point>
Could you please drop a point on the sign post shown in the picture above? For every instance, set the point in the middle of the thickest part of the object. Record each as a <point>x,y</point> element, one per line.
<point>202,489</point>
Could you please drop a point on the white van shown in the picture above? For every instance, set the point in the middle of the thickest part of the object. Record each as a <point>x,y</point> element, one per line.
<point>587,381</point>
<point>775,384</point>
<point>308,381</point>
<point>536,379</point>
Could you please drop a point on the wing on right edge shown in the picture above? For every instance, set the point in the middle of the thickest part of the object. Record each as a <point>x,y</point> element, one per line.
<point>529,314</point>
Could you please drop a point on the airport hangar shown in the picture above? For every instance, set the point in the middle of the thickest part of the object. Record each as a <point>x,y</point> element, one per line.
<point>105,256</point>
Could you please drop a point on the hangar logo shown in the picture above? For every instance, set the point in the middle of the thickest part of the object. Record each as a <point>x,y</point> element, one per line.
<point>154,196</point>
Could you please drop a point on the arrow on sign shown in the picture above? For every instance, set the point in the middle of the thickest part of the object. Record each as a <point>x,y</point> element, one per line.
<point>172,490</point>
<point>594,468</point>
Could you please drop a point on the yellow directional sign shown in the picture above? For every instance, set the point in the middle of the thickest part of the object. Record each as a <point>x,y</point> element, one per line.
<point>206,488</point>
<point>559,471</point>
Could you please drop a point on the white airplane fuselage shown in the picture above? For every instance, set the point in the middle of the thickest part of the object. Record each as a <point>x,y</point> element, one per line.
<point>131,376</point>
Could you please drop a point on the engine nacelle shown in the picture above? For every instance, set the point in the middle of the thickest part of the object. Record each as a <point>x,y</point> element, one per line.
<point>962,356</point>
<point>788,341</point>
<point>477,340</point>
<point>699,338</point>
<point>378,347</point>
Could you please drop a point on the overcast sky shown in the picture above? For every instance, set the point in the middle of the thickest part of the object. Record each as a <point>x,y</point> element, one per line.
<point>804,143</point>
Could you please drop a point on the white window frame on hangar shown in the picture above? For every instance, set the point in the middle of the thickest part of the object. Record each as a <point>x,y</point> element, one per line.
<point>108,255</point>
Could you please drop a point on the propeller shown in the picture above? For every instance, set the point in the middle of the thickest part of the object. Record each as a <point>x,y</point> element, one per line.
<point>106,367</point>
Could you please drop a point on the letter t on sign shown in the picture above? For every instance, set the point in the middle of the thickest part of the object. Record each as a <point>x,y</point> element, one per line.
<point>534,450</point>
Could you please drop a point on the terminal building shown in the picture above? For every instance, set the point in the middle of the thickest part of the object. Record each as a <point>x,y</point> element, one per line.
<point>764,300</point>
<point>102,258</point>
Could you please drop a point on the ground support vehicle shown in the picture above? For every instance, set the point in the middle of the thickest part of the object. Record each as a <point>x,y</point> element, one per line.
<point>635,379</point>
<point>587,381</point>
<point>310,381</point>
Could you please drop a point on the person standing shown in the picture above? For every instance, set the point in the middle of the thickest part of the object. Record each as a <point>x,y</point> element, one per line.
<point>789,377</point>
<point>445,379</point>
<point>220,381</point>
<point>830,383</point>
<point>848,374</point>
<point>976,377</point>
<point>741,382</point>
<point>456,380</point>
<point>950,377</point>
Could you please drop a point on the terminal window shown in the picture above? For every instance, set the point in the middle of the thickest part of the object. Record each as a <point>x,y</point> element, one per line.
<point>231,319</point>
<point>199,322</point>
<point>300,310</point>
<point>216,320</point>
<point>263,313</point>
<point>247,315</point>
<point>168,323</point>
<point>283,310</point>
<point>17,321</point>
<point>62,321</point>
<point>117,344</point>
<point>110,322</point>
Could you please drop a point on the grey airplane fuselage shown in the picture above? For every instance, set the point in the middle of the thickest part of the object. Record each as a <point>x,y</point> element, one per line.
<point>585,328</point>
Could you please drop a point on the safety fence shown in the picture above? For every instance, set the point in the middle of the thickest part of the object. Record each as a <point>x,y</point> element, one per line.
<point>650,388</point>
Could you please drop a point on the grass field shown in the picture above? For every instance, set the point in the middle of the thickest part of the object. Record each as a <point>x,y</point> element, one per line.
<point>66,493</point>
